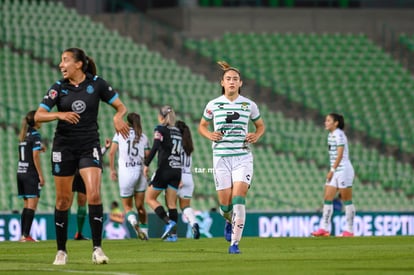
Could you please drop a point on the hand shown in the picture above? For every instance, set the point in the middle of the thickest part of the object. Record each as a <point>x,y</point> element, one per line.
<point>215,136</point>
<point>42,181</point>
<point>251,138</point>
<point>329,176</point>
<point>108,143</point>
<point>121,127</point>
<point>114,175</point>
<point>146,171</point>
<point>71,117</point>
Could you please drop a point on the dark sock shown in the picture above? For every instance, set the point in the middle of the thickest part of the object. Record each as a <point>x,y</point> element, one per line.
<point>28,217</point>
<point>81,214</point>
<point>173,214</point>
<point>61,227</point>
<point>161,214</point>
<point>23,221</point>
<point>96,223</point>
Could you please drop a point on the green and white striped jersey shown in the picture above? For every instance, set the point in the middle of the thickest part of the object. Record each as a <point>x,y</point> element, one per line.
<point>336,139</point>
<point>232,119</point>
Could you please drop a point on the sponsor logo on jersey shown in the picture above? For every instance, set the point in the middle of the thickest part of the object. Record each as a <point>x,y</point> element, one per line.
<point>65,91</point>
<point>78,106</point>
<point>52,94</point>
<point>90,89</point>
<point>158,135</point>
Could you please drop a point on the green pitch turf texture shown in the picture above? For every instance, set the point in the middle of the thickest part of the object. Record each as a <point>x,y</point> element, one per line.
<point>359,255</point>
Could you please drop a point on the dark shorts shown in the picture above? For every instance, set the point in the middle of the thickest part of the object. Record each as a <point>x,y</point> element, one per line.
<point>28,186</point>
<point>166,177</point>
<point>78,184</point>
<point>68,157</point>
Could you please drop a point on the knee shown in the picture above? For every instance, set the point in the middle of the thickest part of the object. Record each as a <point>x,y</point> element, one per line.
<point>63,203</point>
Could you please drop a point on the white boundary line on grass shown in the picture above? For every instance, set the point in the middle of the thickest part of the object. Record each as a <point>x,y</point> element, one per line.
<point>85,272</point>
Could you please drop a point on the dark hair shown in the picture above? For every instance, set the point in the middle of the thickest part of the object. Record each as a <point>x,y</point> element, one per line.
<point>187,139</point>
<point>88,63</point>
<point>226,67</point>
<point>134,120</point>
<point>28,120</point>
<point>338,118</point>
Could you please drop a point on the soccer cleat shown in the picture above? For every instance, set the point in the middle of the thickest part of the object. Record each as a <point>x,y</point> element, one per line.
<point>171,238</point>
<point>140,234</point>
<point>61,258</point>
<point>347,234</point>
<point>320,233</point>
<point>24,239</point>
<point>168,228</point>
<point>196,231</point>
<point>234,249</point>
<point>227,231</point>
<point>99,257</point>
<point>80,237</point>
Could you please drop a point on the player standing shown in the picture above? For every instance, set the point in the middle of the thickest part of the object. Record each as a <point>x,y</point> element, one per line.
<point>76,143</point>
<point>29,172</point>
<point>232,158</point>
<point>167,143</point>
<point>340,176</point>
<point>131,179</point>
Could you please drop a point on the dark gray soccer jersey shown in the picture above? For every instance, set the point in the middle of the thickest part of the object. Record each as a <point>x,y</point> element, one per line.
<point>83,99</point>
<point>31,143</point>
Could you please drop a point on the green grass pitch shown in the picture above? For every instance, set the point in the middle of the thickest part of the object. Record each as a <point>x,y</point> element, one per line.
<point>359,255</point>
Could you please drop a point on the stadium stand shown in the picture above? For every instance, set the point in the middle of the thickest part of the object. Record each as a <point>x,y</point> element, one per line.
<point>147,80</point>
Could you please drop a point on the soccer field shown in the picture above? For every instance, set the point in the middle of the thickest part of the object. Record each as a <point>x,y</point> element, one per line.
<point>359,255</point>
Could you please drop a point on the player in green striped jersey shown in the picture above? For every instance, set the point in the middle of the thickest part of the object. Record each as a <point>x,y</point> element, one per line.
<point>232,158</point>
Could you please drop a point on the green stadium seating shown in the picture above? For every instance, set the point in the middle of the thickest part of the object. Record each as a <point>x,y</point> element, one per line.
<point>289,145</point>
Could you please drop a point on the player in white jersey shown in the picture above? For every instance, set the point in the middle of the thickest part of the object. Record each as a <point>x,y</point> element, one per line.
<point>232,158</point>
<point>340,176</point>
<point>186,187</point>
<point>132,182</point>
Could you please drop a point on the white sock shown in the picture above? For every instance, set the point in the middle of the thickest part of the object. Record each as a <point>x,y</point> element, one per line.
<point>327,216</point>
<point>132,218</point>
<point>189,214</point>
<point>350,215</point>
<point>239,218</point>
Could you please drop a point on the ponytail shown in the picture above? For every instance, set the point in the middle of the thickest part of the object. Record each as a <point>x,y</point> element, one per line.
<point>27,121</point>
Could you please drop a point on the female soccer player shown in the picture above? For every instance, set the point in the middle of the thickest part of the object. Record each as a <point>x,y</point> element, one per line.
<point>232,158</point>
<point>131,179</point>
<point>76,143</point>
<point>186,187</point>
<point>29,172</point>
<point>167,142</point>
<point>340,176</point>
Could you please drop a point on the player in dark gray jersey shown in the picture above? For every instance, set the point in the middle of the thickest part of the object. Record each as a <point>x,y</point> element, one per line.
<point>29,172</point>
<point>76,143</point>
<point>167,142</point>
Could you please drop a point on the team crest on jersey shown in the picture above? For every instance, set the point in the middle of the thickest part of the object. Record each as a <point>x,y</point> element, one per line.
<point>244,106</point>
<point>157,135</point>
<point>78,106</point>
<point>90,89</point>
<point>52,94</point>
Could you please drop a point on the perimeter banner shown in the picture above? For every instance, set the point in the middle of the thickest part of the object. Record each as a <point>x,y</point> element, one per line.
<point>266,225</point>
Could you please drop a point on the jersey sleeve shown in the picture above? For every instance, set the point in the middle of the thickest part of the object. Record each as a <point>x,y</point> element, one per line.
<point>37,141</point>
<point>116,138</point>
<point>107,93</point>
<point>340,139</point>
<point>255,113</point>
<point>158,138</point>
<point>208,113</point>
<point>51,97</point>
